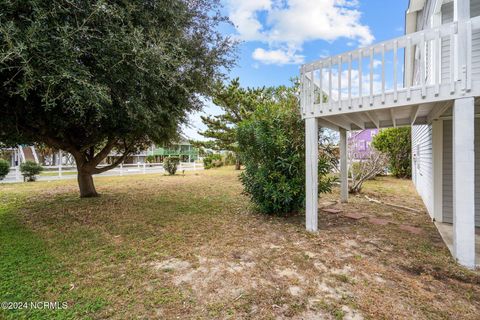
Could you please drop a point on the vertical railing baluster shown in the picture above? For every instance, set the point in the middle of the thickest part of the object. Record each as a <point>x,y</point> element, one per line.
<point>350,80</point>
<point>468,75</point>
<point>330,85</point>
<point>438,63</point>
<point>339,82</point>
<point>321,87</point>
<point>383,73</point>
<point>312,92</point>
<point>302,90</point>
<point>408,67</point>
<point>423,60</point>
<point>371,76</point>
<point>395,71</point>
<point>360,89</point>
<point>452,60</point>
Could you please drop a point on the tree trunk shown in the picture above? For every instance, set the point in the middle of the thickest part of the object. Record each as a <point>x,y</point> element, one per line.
<point>237,163</point>
<point>85,184</point>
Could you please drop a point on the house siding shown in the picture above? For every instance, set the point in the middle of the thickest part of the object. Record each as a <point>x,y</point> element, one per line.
<point>447,17</point>
<point>424,21</point>
<point>422,164</point>
<point>448,173</point>
<point>447,176</point>
<point>474,12</point>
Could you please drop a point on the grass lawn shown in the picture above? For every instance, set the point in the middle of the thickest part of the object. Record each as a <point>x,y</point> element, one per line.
<point>155,246</point>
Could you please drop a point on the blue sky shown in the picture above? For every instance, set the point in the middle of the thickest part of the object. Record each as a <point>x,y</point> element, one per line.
<point>277,36</point>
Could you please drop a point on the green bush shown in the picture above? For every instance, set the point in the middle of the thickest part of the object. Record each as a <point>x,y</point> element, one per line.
<point>212,161</point>
<point>29,170</point>
<point>150,159</point>
<point>4,168</point>
<point>272,149</point>
<point>230,159</point>
<point>170,164</point>
<point>396,143</point>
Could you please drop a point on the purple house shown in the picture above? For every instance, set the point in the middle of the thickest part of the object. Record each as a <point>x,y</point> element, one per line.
<point>359,142</point>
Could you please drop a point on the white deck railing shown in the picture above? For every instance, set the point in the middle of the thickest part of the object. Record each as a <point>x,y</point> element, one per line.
<point>373,76</point>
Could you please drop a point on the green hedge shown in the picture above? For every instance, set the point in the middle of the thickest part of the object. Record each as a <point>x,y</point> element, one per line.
<point>396,143</point>
<point>170,164</point>
<point>272,148</point>
<point>212,161</point>
<point>4,168</point>
<point>29,170</point>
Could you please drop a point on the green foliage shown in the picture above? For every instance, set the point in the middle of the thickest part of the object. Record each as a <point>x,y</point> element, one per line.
<point>89,77</point>
<point>237,104</point>
<point>354,168</point>
<point>30,169</point>
<point>150,159</point>
<point>273,151</point>
<point>229,159</point>
<point>396,144</point>
<point>213,160</point>
<point>170,164</point>
<point>4,168</point>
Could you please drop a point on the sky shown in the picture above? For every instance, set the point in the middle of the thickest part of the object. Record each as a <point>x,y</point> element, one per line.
<point>278,36</point>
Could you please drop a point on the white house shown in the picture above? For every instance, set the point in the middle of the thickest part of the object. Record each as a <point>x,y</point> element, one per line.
<point>429,79</point>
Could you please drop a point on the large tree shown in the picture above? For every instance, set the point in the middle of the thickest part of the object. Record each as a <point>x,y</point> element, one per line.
<point>237,104</point>
<point>89,77</point>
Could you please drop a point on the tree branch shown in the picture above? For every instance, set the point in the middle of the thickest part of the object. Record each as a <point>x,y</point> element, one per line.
<point>103,153</point>
<point>111,166</point>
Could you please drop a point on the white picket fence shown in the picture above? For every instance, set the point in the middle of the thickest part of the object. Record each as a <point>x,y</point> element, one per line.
<point>122,169</point>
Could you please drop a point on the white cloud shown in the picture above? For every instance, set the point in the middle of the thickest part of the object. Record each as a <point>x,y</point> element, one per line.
<point>285,25</point>
<point>277,56</point>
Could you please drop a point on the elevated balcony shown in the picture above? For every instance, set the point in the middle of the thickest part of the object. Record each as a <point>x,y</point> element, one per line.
<point>412,79</point>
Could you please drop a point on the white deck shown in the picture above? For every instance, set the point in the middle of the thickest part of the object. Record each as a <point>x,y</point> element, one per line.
<point>336,93</point>
<point>365,88</point>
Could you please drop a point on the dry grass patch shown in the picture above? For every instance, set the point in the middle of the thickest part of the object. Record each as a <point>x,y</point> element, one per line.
<point>156,246</point>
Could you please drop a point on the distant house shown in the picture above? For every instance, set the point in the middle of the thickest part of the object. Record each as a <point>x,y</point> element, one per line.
<point>359,142</point>
<point>20,154</point>
<point>183,150</point>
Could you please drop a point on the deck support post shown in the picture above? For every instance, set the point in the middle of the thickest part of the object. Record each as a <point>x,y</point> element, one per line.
<point>343,166</point>
<point>311,174</point>
<point>464,181</point>
<point>437,150</point>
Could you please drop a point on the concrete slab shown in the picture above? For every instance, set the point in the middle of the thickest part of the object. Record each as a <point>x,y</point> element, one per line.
<point>446,231</point>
